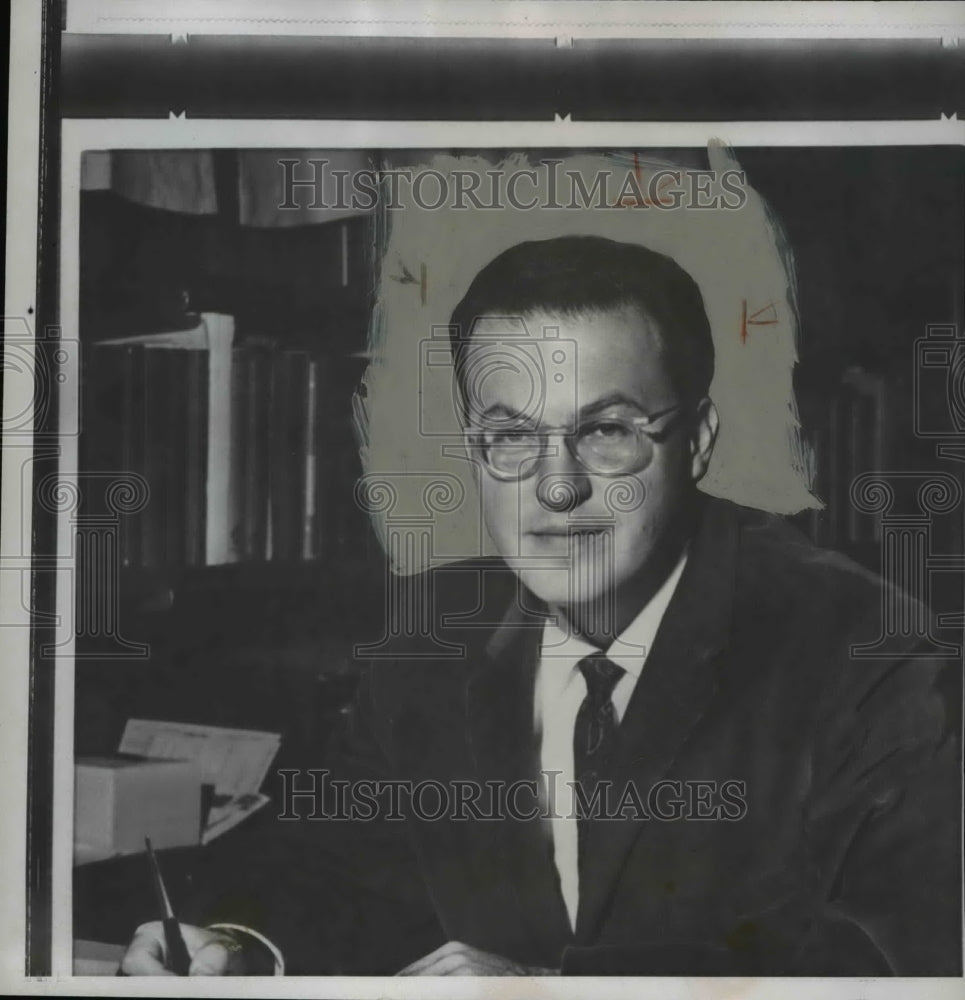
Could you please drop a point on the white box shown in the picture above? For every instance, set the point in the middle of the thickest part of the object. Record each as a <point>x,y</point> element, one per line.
<point>120,800</point>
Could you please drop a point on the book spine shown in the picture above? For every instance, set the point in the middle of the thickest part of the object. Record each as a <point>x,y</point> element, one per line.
<point>345,526</point>
<point>310,462</point>
<point>222,397</point>
<point>99,443</point>
<point>285,444</point>
<point>256,453</point>
<point>196,455</point>
<point>132,446</point>
<point>153,517</point>
<point>178,458</point>
<point>100,440</point>
<point>234,497</point>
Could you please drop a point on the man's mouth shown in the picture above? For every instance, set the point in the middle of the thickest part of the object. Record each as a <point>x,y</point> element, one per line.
<point>568,531</point>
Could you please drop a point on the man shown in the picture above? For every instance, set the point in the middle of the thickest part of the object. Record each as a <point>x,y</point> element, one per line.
<point>716,786</point>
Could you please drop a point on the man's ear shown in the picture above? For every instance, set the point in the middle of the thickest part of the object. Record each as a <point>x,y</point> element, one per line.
<point>703,436</point>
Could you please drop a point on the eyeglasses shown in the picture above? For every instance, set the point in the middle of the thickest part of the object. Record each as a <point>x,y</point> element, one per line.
<point>605,446</point>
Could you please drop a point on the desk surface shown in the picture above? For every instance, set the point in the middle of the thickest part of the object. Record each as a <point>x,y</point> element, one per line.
<point>95,958</point>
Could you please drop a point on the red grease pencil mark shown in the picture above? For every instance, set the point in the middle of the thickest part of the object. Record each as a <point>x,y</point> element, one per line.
<point>632,201</point>
<point>766,316</point>
<point>756,318</point>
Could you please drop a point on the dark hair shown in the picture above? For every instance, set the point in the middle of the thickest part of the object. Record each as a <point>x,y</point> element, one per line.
<point>572,275</point>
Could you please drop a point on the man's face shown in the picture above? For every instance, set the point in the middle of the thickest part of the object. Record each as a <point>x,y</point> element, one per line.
<point>575,536</point>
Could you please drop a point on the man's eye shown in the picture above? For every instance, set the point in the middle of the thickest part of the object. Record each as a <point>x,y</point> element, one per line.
<point>605,431</point>
<point>513,436</point>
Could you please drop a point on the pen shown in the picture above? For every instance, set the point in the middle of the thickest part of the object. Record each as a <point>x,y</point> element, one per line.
<point>178,960</point>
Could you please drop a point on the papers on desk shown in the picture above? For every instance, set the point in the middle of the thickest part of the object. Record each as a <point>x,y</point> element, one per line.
<point>234,761</point>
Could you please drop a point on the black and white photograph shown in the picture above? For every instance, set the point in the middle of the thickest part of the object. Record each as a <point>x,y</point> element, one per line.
<point>505,544</point>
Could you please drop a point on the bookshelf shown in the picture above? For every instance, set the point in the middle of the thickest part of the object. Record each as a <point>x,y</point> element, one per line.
<point>235,445</point>
<point>218,364</point>
<point>848,436</point>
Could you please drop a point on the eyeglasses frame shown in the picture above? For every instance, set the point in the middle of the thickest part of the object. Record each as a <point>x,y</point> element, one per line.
<point>642,423</point>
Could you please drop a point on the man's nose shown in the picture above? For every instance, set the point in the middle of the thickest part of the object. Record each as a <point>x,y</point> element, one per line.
<point>563,483</point>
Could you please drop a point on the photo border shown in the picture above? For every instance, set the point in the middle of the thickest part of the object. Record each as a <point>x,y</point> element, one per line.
<point>39,760</point>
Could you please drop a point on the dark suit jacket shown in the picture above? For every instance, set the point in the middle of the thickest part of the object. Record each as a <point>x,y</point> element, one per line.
<point>846,862</point>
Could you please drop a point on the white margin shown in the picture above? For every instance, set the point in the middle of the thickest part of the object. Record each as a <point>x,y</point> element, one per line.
<point>23,144</point>
<point>522,18</point>
<point>184,132</point>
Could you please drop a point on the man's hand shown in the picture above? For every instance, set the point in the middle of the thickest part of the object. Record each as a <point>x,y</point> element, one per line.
<point>213,952</point>
<point>457,959</point>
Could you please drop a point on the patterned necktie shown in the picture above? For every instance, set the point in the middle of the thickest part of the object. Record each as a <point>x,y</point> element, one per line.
<point>594,735</point>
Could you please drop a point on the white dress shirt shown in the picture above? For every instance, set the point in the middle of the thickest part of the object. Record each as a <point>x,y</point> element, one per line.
<point>560,690</point>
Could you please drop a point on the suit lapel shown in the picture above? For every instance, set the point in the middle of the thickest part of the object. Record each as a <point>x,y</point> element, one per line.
<point>677,684</point>
<point>504,747</point>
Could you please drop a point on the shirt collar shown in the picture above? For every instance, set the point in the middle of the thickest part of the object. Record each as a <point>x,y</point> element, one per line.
<point>629,649</point>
